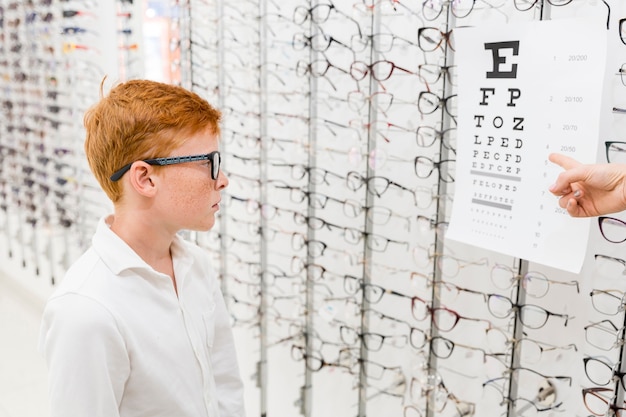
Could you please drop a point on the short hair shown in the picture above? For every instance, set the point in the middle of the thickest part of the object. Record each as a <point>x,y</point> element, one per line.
<point>141,119</point>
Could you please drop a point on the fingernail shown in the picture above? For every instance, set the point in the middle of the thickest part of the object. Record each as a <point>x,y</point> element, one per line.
<point>577,193</point>
<point>552,187</point>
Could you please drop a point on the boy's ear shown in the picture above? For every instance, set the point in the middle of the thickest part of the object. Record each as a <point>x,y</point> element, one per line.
<point>141,178</point>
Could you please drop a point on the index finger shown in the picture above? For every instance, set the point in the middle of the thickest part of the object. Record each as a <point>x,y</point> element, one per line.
<point>563,161</point>
<point>572,173</point>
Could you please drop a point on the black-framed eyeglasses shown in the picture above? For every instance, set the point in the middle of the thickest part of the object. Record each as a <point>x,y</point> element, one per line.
<point>431,73</point>
<point>314,361</point>
<point>622,73</point>
<point>612,229</point>
<point>460,8</point>
<point>615,151</point>
<point>319,14</point>
<point>213,157</point>
<point>426,136</point>
<point>424,167</point>
<point>428,103</point>
<point>529,372</point>
<point>376,185</point>
<point>319,42</point>
<point>372,341</point>
<point>524,5</point>
<point>603,258</point>
<point>602,373</point>
<point>431,38</point>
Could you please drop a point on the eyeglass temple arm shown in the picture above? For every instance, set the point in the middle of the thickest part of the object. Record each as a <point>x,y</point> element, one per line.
<point>118,174</point>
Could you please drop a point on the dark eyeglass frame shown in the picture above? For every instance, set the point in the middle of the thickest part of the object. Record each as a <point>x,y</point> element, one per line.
<point>441,7</point>
<point>440,103</point>
<point>424,71</point>
<point>622,69</point>
<point>523,8</point>
<point>614,145</point>
<point>558,377</point>
<point>424,133</point>
<point>423,36</point>
<point>444,176</point>
<point>607,219</point>
<point>611,258</point>
<point>302,40</point>
<point>613,372</point>
<point>213,157</point>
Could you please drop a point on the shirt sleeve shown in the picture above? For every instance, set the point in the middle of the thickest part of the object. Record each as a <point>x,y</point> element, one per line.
<point>229,385</point>
<point>87,360</point>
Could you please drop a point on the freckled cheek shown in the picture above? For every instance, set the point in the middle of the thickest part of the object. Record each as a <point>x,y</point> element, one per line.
<point>193,197</point>
<point>185,202</point>
<point>182,198</point>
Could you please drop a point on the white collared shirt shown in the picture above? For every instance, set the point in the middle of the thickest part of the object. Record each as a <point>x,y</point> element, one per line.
<point>119,342</point>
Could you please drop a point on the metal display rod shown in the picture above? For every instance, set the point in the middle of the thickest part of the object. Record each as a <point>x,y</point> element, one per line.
<point>441,214</point>
<point>307,389</point>
<point>518,334</point>
<point>368,227</point>
<point>263,338</point>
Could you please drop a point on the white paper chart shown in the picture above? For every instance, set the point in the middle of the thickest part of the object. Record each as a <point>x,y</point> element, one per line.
<point>524,91</point>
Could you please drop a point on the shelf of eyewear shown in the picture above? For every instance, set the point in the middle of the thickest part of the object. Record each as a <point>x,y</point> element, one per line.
<point>338,140</point>
<point>53,57</point>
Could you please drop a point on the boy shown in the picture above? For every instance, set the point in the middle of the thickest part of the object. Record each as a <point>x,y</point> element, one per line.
<point>138,327</point>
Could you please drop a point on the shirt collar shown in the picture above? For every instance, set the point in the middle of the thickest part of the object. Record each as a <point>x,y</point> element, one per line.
<point>118,256</point>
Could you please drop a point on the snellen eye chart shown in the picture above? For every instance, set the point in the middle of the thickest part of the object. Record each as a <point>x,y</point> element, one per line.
<point>518,102</point>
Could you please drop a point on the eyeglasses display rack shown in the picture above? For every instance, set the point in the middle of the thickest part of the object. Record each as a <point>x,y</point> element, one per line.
<point>339,140</point>
<point>53,58</point>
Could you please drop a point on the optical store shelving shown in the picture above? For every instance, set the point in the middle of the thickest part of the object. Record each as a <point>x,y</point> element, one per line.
<point>339,140</point>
